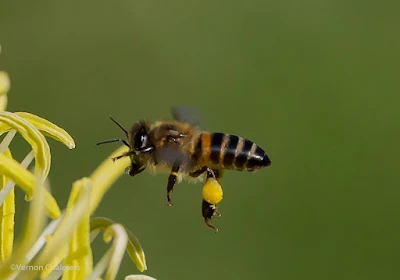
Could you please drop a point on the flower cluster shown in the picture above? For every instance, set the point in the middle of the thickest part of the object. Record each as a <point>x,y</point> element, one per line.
<point>62,247</point>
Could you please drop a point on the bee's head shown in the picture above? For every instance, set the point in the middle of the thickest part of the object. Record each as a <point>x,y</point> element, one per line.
<point>138,143</point>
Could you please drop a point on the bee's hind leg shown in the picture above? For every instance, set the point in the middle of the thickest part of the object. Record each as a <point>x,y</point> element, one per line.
<point>209,210</point>
<point>214,173</point>
<point>211,173</point>
<point>172,180</point>
<point>198,172</point>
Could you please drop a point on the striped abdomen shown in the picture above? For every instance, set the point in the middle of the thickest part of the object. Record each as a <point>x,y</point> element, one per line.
<point>220,150</point>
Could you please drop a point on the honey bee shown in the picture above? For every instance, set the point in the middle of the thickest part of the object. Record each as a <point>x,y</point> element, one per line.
<point>181,148</point>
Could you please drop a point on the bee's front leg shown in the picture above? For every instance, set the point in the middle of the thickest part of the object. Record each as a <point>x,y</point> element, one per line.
<point>172,180</point>
<point>134,169</point>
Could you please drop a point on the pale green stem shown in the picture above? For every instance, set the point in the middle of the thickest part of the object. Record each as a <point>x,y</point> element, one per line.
<point>101,266</point>
<point>49,230</point>
<point>134,249</point>
<point>94,234</point>
<point>7,140</point>
<point>41,241</point>
<point>33,226</point>
<point>56,274</point>
<point>139,277</point>
<point>63,232</point>
<point>111,260</point>
<point>120,240</point>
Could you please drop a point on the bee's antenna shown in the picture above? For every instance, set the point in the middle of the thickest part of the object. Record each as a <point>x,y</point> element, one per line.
<point>112,141</point>
<point>120,126</point>
<point>127,154</point>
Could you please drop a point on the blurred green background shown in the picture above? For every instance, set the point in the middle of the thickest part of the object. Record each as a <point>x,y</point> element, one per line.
<point>315,83</point>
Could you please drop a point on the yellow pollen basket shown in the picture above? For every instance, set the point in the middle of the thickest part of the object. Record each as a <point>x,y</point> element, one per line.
<point>212,191</point>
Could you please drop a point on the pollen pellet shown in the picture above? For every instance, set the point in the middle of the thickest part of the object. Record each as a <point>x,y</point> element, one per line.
<point>212,191</point>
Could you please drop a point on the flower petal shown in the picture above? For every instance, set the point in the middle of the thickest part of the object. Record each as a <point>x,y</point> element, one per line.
<point>119,236</point>
<point>8,187</point>
<point>113,257</point>
<point>55,261</point>
<point>34,225</point>
<point>105,175</point>
<point>7,211</point>
<point>79,251</point>
<point>48,129</point>
<point>27,181</point>
<point>134,248</point>
<point>65,229</point>
<point>139,277</point>
<point>3,102</point>
<point>4,83</point>
<point>34,138</point>
<point>42,239</point>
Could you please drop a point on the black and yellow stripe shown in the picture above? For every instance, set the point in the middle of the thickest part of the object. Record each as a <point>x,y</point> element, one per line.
<point>216,147</point>
<point>202,150</point>
<point>229,152</point>
<point>242,153</point>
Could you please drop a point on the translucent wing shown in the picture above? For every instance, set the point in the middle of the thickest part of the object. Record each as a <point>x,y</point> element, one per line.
<point>170,155</point>
<point>186,114</point>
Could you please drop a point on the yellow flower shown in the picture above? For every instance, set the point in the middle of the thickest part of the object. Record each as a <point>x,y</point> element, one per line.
<point>139,277</point>
<point>133,248</point>
<point>33,226</point>
<point>61,248</point>
<point>4,88</point>
<point>105,175</point>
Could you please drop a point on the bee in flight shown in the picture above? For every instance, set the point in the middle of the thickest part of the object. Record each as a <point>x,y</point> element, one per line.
<point>186,152</point>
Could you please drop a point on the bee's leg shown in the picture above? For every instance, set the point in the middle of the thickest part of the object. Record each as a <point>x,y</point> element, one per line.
<point>218,173</point>
<point>133,152</point>
<point>134,169</point>
<point>172,180</point>
<point>197,173</point>
<point>173,134</point>
<point>127,154</point>
<point>209,210</point>
<point>176,139</point>
<point>145,150</point>
<point>214,173</point>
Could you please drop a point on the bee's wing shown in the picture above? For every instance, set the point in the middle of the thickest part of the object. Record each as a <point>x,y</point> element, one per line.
<point>186,114</point>
<point>171,155</point>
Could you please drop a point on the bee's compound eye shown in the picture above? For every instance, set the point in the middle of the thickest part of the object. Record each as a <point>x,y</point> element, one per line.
<point>141,139</point>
